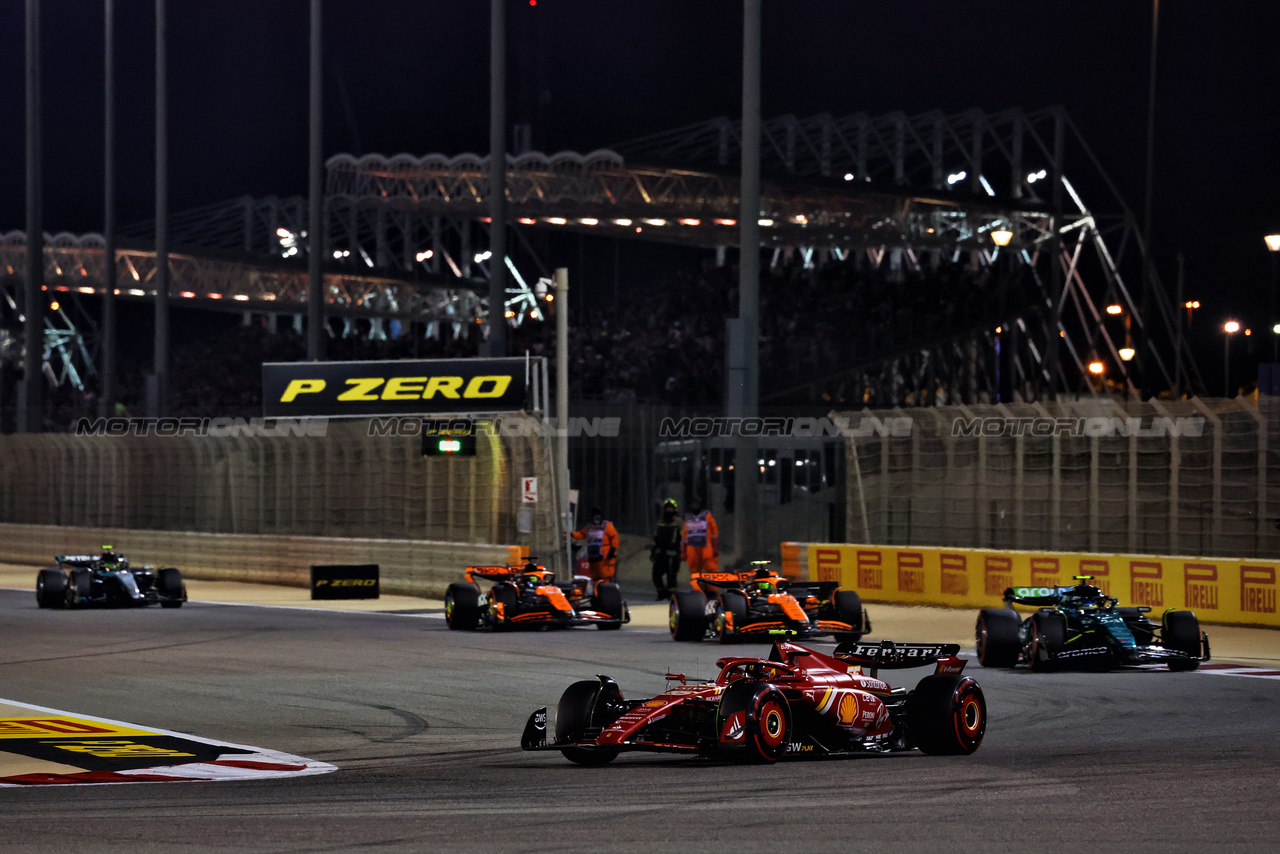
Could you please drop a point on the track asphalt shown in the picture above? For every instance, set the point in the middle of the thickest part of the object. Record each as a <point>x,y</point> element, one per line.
<point>423,725</point>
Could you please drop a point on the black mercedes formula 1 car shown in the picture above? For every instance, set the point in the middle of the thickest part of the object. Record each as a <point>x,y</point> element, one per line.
<point>796,703</point>
<point>107,580</point>
<point>527,596</point>
<point>761,605</point>
<point>1081,627</point>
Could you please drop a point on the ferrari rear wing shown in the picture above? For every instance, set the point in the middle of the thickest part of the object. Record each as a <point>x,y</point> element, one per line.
<point>888,655</point>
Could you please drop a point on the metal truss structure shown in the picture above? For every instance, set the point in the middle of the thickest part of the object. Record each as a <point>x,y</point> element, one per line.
<point>409,237</point>
<point>74,263</point>
<point>1083,260</point>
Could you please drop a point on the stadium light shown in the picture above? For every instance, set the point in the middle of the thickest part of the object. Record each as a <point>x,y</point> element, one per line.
<point>55,305</point>
<point>622,222</point>
<point>1273,242</point>
<point>1114,309</point>
<point>1001,236</point>
<point>1096,368</point>
<point>956,177</point>
<point>848,176</point>
<point>1127,353</point>
<point>1229,327</point>
<point>1032,177</point>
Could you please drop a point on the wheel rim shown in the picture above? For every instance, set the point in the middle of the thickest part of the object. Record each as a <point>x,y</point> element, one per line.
<point>448,609</point>
<point>970,715</point>
<point>771,728</point>
<point>673,617</point>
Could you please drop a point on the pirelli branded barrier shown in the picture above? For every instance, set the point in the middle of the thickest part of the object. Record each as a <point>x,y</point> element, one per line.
<point>1219,590</point>
<point>345,581</point>
<point>401,387</point>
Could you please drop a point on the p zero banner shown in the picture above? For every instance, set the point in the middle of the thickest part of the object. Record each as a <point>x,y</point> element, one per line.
<point>1219,590</point>
<point>344,581</point>
<point>408,387</point>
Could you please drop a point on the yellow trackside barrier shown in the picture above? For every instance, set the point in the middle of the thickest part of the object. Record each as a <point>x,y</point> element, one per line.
<point>1219,590</point>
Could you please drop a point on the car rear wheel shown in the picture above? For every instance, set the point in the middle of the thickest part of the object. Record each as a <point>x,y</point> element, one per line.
<point>997,637</point>
<point>462,607</point>
<point>731,613</point>
<point>78,588</point>
<point>848,605</point>
<point>947,714</point>
<point>687,616</point>
<point>1048,636</point>
<point>755,721</point>
<point>51,588</point>
<point>169,584</point>
<point>583,706</point>
<point>1181,632</point>
<point>608,599</point>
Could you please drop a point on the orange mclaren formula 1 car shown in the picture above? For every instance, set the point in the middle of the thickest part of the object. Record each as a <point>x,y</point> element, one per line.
<point>795,703</point>
<point>761,605</point>
<point>528,596</point>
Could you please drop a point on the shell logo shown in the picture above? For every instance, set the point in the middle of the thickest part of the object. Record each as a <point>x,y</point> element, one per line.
<point>848,710</point>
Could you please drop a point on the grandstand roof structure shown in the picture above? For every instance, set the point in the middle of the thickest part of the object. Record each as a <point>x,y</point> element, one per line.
<point>407,234</point>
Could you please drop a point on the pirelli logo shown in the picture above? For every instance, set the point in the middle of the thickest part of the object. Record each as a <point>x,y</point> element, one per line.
<point>870,573</point>
<point>1258,589</point>
<point>1201,580</point>
<point>1146,583</point>
<point>997,574</point>
<point>409,387</point>
<point>910,572</point>
<point>955,574</point>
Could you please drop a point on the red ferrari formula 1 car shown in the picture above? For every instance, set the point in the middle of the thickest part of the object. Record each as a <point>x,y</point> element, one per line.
<point>528,596</point>
<point>797,702</point>
<point>761,605</point>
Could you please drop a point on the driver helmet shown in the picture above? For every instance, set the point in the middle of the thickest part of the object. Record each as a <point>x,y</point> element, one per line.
<point>764,586</point>
<point>1087,595</point>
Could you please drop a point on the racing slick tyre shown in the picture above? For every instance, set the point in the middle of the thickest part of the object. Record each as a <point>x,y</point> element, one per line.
<point>78,588</point>
<point>947,715</point>
<point>51,588</point>
<point>848,605</point>
<point>731,614</point>
<point>997,637</point>
<point>169,584</point>
<point>583,707</point>
<point>462,607</point>
<point>508,597</point>
<point>687,616</point>
<point>1181,631</point>
<point>1047,637</point>
<point>608,598</point>
<point>763,717</point>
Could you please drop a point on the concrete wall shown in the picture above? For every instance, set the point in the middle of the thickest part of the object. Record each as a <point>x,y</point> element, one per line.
<point>408,567</point>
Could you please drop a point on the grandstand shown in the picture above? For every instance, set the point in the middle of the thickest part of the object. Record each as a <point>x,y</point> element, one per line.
<point>888,215</point>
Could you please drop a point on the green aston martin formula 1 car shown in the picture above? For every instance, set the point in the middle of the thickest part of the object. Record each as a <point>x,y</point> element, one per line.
<point>1080,627</point>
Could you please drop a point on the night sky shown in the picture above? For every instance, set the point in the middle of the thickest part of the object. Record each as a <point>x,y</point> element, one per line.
<point>412,75</point>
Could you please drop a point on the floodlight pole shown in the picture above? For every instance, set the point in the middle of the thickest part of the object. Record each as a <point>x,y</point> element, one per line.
<point>107,400</point>
<point>158,398</point>
<point>1148,273</point>
<point>497,179</point>
<point>748,342</point>
<point>560,283</point>
<point>30,420</point>
<point>315,202</point>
